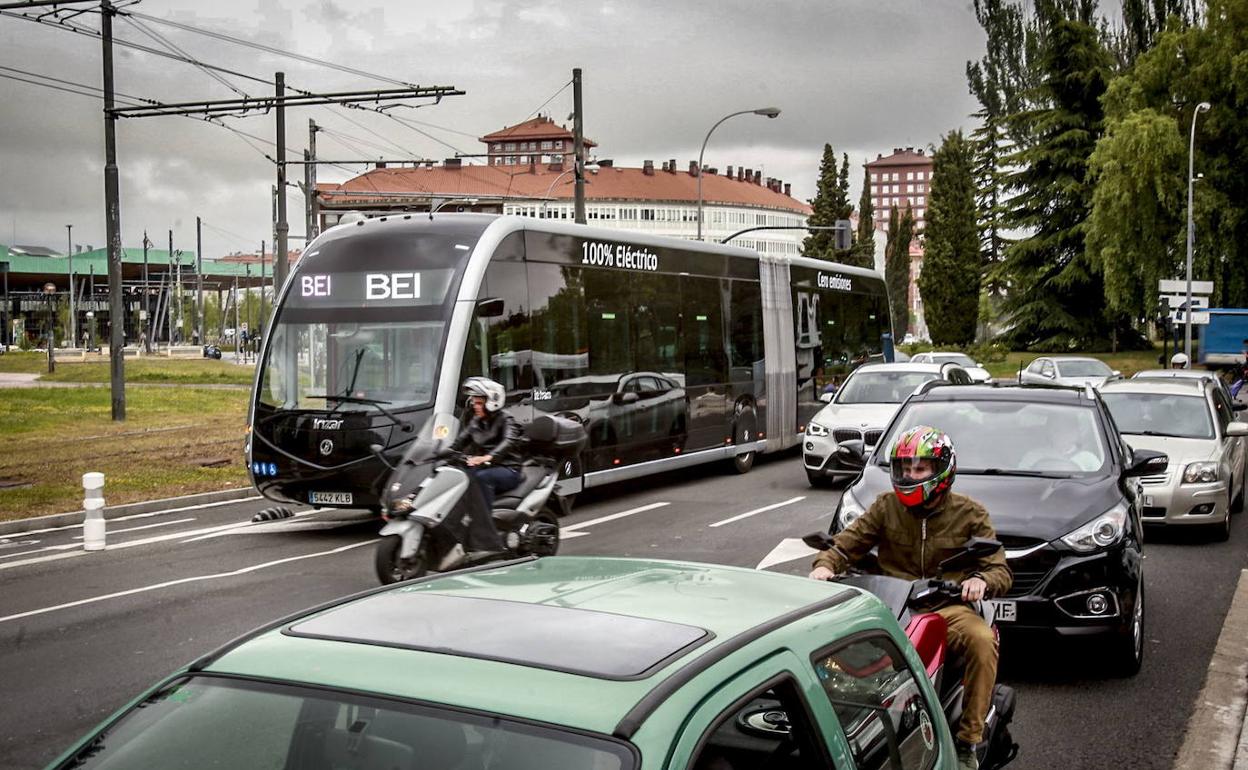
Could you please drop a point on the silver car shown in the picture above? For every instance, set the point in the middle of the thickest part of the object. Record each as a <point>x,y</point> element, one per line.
<point>1066,370</point>
<point>1192,421</point>
<point>976,370</point>
<point>1185,374</point>
<point>860,409</point>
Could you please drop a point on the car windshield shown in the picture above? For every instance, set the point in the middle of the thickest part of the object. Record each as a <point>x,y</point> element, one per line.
<point>1089,368</point>
<point>1160,414</point>
<point>209,722</point>
<point>881,387</point>
<point>1010,437</point>
<point>957,358</point>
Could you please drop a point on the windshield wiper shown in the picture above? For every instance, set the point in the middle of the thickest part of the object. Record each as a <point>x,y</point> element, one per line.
<point>1016,472</point>
<point>1151,433</point>
<point>373,402</point>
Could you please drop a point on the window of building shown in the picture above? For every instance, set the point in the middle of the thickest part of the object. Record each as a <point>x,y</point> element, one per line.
<point>546,144</point>
<point>909,176</point>
<point>511,146</point>
<point>558,144</point>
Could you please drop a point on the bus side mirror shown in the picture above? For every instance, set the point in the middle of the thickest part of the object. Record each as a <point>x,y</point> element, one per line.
<point>490,308</point>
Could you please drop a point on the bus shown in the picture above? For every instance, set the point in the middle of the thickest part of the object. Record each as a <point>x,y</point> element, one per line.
<point>670,352</point>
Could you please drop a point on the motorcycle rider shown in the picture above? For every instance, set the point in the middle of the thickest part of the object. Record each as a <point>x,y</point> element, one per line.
<point>490,439</point>
<point>1179,361</point>
<point>915,528</point>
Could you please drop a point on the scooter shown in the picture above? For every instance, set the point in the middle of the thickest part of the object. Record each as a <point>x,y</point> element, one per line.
<point>913,602</point>
<point>428,505</point>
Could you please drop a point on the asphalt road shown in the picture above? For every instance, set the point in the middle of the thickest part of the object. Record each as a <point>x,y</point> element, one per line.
<point>80,634</point>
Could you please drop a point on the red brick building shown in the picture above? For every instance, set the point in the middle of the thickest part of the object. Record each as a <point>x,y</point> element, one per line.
<point>899,180</point>
<point>536,141</point>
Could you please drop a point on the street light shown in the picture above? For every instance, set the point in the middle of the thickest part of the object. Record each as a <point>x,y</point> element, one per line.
<point>551,189</point>
<point>49,290</point>
<point>770,112</point>
<point>1191,232</point>
<point>91,323</point>
<point>437,206</point>
<point>73,316</point>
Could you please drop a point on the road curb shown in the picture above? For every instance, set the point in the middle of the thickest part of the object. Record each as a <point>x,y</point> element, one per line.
<point>113,511</point>
<point>1217,721</point>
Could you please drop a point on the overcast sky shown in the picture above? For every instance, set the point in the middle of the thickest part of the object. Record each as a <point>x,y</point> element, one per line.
<point>863,75</point>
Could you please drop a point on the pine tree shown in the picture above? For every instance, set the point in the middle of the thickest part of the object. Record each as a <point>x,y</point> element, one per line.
<point>897,269</point>
<point>950,280</point>
<point>827,206</point>
<point>863,252</point>
<point>1056,293</point>
<point>844,208</point>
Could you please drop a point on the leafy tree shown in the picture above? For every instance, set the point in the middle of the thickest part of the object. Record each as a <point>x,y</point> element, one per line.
<point>950,280</point>
<point>862,253</point>
<point>897,269</point>
<point>827,207</point>
<point>1056,293</point>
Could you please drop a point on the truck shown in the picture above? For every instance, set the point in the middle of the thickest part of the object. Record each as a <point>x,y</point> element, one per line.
<point>1222,339</point>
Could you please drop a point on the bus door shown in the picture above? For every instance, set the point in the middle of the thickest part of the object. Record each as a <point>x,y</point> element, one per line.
<point>705,360</point>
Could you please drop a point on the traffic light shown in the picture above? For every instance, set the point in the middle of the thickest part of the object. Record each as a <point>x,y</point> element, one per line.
<point>843,236</point>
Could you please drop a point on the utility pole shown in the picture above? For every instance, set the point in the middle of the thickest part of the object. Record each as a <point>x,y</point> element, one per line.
<point>175,292</point>
<point>578,147</point>
<point>73,317</point>
<point>112,216</point>
<point>314,213</point>
<point>147,298</point>
<point>199,281</point>
<point>238,330</point>
<point>283,228</point>
<point>262,282</point>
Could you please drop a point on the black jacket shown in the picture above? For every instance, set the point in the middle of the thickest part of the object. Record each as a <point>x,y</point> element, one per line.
<point>496,435</point>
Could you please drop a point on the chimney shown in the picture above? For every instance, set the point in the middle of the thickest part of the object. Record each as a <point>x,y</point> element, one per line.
<point>878,156</point>
<point>710,171</point>
<point>671,166</point>
<point>693,168</point>
<point>758,177</point>
<point>381,164</point>
<point>647,168</point>
<point>606,163</point>
<point>896,150</point>
<point>909,149</point>
<point>920,150</point>
<point>729,174</point>
<point>453,162</point>
<point>787,188</point>
<point>740,174</point>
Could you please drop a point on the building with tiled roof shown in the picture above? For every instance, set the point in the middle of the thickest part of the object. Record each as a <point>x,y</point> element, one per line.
<point>903,179</point>
<point>659,200</point>
<point>538,138</point>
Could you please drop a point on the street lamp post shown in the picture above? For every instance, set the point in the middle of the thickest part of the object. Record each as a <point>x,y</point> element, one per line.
<point>1191,230</point>
<point>73,316</point>
<point>770,112</point>
<point>49,291</point>
<point>91,330</point>
<point>551,189</point>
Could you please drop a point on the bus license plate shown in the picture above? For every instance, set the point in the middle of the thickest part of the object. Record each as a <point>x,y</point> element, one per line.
<point>1004,611</point>
<point>330,498</point>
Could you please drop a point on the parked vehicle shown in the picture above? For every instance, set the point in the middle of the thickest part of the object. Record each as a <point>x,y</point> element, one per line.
<point>913,604</point>
<point>539,664</point>
<point>860,409</point>
<point>1059,486</point>
<point>1066,370</point>
<point>1221,341</point>
<point>976,370</point>
<point>428,497</point>
<point>1193,422</point>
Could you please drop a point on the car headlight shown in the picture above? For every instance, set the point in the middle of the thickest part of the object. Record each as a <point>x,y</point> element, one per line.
<point>1101,532</point>
<point>1200,473</point>
<point>815,429</point>
<point>850,511</point>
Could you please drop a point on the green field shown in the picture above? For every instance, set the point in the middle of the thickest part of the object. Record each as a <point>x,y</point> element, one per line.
<point>54,435</point>
<point>151,369</point>
<point>1128,362</point>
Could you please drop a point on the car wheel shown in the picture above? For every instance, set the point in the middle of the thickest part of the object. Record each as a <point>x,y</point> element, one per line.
<point>1221,532</point>
<point>1237,504</point>
<point>1127,648</point>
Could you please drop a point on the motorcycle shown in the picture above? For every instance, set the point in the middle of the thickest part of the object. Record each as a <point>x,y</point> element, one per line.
<point>428,504</point>
<point>913,604</point>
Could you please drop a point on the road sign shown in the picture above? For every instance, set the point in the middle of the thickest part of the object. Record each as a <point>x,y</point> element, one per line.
<point>1198,318</point>
<point>1180,287</point>
<point>1176,301</point>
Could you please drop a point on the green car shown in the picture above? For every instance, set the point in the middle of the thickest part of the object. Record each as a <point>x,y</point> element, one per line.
<point>540,664</point>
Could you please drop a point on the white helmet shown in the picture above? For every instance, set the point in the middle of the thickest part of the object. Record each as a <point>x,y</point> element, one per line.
<point>493,393</point>
<point>1179,361</point>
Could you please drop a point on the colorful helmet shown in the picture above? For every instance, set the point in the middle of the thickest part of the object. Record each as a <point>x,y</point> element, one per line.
<point>493,393</point>
<point>922,443</point>
<point>1179,361</point>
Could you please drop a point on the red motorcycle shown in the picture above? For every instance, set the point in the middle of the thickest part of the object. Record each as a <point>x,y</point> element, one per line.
<point>913,602</point>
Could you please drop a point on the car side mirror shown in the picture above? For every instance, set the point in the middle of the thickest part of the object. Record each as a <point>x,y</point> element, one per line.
<point>624,399</point>
<point>1237,429</point>
<point>1146,462</point>
<point>826,397</point>
<point>1116,373</point>
<point>820,541</point>
<point>979,364</point>
<point>852,454</point>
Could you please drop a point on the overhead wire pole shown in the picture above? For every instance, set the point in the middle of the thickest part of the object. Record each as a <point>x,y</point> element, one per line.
<point>283,227</point>
<point>199,280</point>
<point>578,147</point>
<point>314,215</point>
<point>112,215</point>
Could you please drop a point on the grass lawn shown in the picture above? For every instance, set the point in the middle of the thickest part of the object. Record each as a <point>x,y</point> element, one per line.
<point>150,369</point>
<point>51,436</point>
<point>1128,362</point>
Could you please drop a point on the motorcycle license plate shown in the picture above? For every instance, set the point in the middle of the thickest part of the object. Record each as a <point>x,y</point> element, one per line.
<point>1004,611</point>
<point>329,498</point>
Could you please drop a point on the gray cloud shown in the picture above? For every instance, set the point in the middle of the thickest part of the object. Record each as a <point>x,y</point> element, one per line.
<point>865,76</point>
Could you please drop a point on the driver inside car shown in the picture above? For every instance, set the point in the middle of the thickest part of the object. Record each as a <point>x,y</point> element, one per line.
<point>916,527</point>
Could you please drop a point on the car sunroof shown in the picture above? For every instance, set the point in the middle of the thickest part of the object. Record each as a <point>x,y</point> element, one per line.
<point>603,645</point>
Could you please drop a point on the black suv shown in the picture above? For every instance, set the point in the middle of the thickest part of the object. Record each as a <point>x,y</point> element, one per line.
<point>1049,466</point>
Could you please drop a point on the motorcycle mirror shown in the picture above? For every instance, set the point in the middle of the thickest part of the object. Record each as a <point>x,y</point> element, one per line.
<point>379,452</point>
<point>852,454</point>
<point>820,541</point>
<point>972,550</point>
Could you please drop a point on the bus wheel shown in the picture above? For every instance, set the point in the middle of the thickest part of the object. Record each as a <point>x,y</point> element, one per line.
<point>744,432</point>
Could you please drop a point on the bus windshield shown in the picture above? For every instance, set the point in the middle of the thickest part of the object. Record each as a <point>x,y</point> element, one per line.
<point>364,322</point>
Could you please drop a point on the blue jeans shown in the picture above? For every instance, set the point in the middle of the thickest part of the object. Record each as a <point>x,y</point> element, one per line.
<point>494,479</point>
<point>489,482</point>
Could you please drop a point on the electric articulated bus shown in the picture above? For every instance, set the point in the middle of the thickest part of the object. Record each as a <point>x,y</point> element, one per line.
<point>669,352</point>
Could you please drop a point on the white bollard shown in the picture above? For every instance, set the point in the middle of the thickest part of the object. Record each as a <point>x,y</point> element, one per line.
<point>93,502</point>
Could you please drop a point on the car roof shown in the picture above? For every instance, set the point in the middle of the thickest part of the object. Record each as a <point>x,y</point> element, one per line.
<point>1049,394</point>
<point>1185,374</point>
<point>1168,386</point>
<point>1059,359</point>
<point>428,640</point>
<point>903,366</point>
<point>944,353</point>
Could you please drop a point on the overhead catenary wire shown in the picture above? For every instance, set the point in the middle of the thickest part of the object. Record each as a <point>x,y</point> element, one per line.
<point>175,49</point>
<point>392,146</point>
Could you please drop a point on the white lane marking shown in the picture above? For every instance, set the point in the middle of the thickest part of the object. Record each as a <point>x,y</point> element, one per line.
<point>789,549</point>
<point>290,525</point>
<point>612,517</point>
<point>145,526</point>
<point>44,549</point>
<point>181,581</point>
<point>248,527</point>
<point>17,544</point>
<point>757,511</point>
<point>149,514</point>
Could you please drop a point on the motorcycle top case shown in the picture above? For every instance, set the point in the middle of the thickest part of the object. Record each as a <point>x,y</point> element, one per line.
<point>556,435</point>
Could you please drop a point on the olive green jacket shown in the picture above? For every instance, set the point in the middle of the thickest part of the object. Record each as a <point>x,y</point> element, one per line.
<point>912,547</point>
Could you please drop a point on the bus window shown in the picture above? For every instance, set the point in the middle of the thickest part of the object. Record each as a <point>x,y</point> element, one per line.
<point>702,308</point>
<point>559,338</point>
<point>655,305</point>
<point>610,322</point>
<point>507,339</point>
<point>746,338</point>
